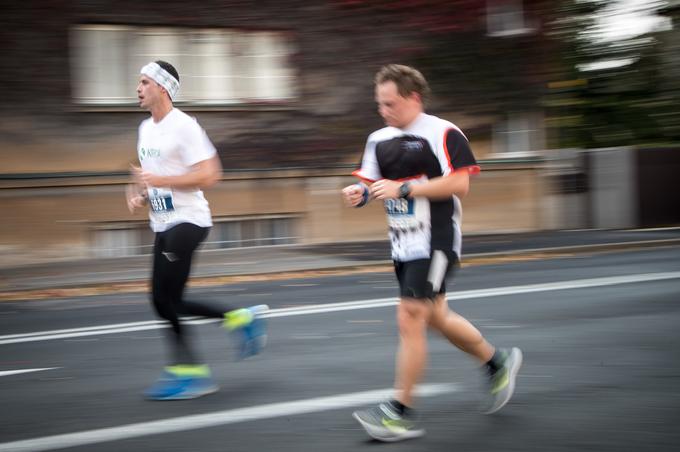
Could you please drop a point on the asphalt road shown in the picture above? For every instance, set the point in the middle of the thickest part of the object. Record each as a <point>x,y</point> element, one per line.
<point>599,333</point>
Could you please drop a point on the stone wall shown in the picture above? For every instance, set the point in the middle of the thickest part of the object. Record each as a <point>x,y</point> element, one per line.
<point>57,218</point>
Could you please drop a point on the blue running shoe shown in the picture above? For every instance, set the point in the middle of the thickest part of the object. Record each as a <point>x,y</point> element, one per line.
<point>251,328</point>
<point>182,383</point>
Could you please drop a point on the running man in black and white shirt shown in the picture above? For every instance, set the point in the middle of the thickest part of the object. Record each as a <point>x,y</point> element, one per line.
<point>419,166</point>
<point>177,160</point>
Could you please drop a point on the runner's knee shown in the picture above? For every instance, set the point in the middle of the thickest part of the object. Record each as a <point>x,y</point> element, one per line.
<point>413,315</point>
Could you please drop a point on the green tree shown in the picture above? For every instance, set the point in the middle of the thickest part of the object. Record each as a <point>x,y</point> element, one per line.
<point>611,91</point>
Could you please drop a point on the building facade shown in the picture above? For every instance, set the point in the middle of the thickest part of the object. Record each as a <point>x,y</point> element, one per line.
<point>284,90</point>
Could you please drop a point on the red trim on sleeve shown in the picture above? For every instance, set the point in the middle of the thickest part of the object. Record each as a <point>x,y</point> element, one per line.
<point>446,150</point>
<point>405,179</point>
<point>357,173</point>
<point>471,169</point>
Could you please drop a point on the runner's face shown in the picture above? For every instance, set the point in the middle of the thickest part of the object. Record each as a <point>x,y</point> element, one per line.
<point>148,92</point>
<point>396,111</point>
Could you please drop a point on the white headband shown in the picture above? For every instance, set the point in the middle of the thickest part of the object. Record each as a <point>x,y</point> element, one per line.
<point>162,77</point>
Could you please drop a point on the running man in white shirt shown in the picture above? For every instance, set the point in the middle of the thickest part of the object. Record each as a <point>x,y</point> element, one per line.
<point>177,160</point>
<point>420,165</point>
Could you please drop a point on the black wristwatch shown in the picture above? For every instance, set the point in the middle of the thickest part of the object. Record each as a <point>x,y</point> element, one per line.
<point>404,190</point>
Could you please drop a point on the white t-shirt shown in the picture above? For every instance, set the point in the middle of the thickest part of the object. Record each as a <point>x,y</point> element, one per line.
<point>170,148</point>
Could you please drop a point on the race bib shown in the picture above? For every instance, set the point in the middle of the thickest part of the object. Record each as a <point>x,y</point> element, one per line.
<point>400,212</point>
<point>161,203</point>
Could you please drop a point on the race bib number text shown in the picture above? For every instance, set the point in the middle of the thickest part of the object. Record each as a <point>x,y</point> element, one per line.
<point>160,200</point>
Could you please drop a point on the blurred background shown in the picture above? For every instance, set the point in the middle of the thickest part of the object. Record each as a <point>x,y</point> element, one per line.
<point>571,106</point>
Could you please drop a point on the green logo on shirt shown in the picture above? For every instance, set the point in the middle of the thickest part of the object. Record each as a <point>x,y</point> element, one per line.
<point>146,153</point>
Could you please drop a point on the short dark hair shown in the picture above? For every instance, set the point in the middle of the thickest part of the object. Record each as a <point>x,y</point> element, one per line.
<point>408,80</point>
<point>168,67</point>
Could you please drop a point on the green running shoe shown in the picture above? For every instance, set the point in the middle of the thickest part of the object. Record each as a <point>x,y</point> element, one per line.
<point>384,423</point>
<point>501,384</point>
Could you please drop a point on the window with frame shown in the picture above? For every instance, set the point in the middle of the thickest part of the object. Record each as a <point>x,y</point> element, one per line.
<point>135,238</point>
<point>519,133</point>
<point>216,66</point>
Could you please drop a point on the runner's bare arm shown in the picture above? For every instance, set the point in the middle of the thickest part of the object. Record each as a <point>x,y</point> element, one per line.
<point>438,188</point>
<point>456,183</point>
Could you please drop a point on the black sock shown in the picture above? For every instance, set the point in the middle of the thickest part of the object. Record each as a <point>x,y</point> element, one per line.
<point>400,407</point>
<point>496,361</point>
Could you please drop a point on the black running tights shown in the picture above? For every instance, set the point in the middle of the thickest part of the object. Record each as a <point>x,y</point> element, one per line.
<point>172,254</point>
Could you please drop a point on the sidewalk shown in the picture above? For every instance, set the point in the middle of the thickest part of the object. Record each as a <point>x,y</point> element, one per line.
<point>292,259</point>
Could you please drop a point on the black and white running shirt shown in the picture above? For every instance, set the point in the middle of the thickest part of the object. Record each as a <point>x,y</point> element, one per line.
<point>429,147</point>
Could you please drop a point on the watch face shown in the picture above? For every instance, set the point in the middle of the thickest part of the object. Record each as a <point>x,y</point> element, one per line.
<point>404,190</point>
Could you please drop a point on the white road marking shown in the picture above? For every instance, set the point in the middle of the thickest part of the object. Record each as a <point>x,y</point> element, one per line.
<point>353,335</point>
<point>4,373</point>
<point>344,306</point>
<point>669,228</point>
<point>75,330</point>
<point>183,423</point>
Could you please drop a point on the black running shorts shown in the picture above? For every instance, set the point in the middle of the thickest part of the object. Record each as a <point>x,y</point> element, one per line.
<point>425,278</point>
